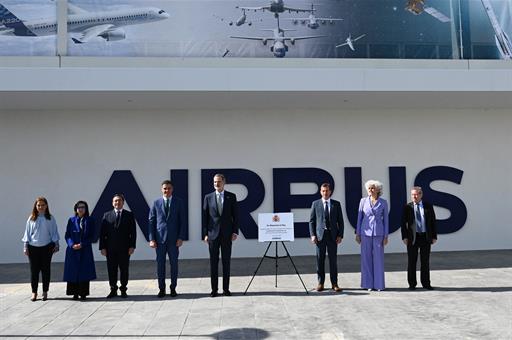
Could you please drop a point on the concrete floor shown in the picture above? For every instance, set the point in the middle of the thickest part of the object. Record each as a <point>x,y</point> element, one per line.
<point>472,300</point>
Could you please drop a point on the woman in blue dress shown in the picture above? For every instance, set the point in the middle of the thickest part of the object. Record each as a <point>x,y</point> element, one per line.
<point>79,267</point>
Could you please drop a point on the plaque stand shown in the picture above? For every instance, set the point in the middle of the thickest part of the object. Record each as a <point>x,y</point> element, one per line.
<point>276,258</point>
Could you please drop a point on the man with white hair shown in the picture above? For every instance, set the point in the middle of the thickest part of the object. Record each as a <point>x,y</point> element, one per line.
<point>418,233</point>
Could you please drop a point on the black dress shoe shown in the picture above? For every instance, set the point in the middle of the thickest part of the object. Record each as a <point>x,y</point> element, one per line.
<point>75,297</point>
<point>173,292</point>
<point>412,288</point>
<point>429,288</point>
<point>124,295</point>
<point>227,292</point>
<point>214,293</point>
<point>161,294</point>
<point>112,294</point>
<point>83,297</point>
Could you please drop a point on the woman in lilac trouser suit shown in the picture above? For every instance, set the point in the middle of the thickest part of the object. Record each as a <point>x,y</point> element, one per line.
<point>372,234</point>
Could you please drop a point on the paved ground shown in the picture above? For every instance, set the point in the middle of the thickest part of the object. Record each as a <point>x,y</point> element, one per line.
<point>473,300</point>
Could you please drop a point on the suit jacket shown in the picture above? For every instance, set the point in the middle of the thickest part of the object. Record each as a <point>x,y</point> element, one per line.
<point>408,227</point>
<point>317,219</point>
<point>215,224</point>
<point>373,221</point>
<point>79,264</point>
<point>170,228</point>
<point>118,237</point>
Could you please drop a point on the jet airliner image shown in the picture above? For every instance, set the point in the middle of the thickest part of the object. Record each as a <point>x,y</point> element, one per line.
<point>104,24</point>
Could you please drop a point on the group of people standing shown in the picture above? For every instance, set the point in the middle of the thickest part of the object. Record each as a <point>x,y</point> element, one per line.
<point>118,236</point>
<point>220,225</point>
<point>418,228</point>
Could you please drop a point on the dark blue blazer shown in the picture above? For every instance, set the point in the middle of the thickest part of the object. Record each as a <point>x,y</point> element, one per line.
<point>79,264</point>
<point>172,228</point>
<point>317,219</point>
<point>215,224</point>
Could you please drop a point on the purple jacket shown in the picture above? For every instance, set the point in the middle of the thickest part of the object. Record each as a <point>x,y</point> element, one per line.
<point>373,221</point>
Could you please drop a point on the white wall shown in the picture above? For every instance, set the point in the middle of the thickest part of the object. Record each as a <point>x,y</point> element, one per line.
<point>70,155</point>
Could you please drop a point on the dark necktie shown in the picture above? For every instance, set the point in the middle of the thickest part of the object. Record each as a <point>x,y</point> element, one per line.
<point>326,214</point>
<point>118,218</point>
<point>166,208</point>
<point>418,219</point>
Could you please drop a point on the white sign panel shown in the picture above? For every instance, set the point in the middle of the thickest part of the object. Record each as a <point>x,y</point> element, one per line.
<point>275,227</point>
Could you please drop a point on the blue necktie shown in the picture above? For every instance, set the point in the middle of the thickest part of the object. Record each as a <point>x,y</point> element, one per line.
<point>418,219</point>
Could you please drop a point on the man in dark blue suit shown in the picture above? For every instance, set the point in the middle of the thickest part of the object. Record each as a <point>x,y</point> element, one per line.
<point>220,229</point>
<point>166,234</point>
<point>326,231</point>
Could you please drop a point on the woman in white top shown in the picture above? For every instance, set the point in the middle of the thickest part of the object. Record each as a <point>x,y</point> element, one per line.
<point>41,240</point>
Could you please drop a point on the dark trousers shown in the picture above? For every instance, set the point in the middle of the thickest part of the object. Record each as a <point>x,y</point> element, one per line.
<point>225,249</point>
<point>423,245</point>
<point>163,250</point>
<point>40,259</point>
<point>327,243</point>
<point>118,260</point>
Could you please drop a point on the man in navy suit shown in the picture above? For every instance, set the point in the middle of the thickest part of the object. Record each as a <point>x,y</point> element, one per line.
<point>326,231</point>
<point>219,230</point>
<point>419,232</point>
<point>166,234</point>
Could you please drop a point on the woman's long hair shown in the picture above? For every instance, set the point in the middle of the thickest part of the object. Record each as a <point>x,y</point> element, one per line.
<point>35,213</point>
<point>86,208</point>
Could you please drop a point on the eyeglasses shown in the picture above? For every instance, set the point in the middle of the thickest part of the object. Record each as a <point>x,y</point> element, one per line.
<point>80,207</point>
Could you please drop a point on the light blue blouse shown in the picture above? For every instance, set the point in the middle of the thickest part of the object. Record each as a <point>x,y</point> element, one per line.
<point>41,232</point>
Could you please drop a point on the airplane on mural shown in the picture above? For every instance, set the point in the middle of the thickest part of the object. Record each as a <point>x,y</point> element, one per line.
<point>279,47</point>
<point>350,41</point>
<point>417,7</point>
<point>104,24</point>
<point>500,36</point>
<point>276,7</point>
<point>239,22</point>
<point>312,21</point>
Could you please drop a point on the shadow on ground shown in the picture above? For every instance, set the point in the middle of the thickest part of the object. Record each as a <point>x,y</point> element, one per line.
<point>231,333</point>
<point>146,269</point>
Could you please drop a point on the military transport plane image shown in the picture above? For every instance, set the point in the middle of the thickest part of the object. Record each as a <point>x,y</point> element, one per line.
<point>239,22</point>
<point>279,47</point>
<point>104,24</point>
<point>276,7</point>
<point>312,21</point>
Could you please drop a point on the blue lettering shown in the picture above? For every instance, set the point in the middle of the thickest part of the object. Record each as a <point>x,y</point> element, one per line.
<point>255,195</point>
<point>457,208</point>
<point>284,201</point>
